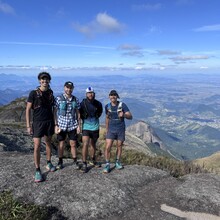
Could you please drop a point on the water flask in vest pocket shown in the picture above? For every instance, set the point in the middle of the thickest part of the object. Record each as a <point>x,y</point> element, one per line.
<point>73,105</point>
<point>119,107</point>
<point>62,108</point>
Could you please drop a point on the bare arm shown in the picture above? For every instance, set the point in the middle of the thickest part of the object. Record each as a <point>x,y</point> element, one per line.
<point>106,123</point>
<point>128,115</point>
<point>28,120</point>
<point>55,116</point>
<point>79,121</point>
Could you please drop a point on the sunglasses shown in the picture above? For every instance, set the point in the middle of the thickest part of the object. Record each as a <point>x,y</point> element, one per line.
<point>44,78</point>
<point>113,94</point>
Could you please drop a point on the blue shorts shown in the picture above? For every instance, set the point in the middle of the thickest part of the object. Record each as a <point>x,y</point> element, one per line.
<point>116,135</point>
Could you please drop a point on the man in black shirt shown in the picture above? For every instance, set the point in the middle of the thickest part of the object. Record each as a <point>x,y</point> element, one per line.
<point>41,101</point>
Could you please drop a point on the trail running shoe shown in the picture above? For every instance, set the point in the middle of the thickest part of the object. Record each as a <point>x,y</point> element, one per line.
<point>59,166</point>
<point>76,165</point>
<point>38,177</point>
<point>118,165</point>
<point>94,163</point>
<point>50,167</point>
<point>84,168</point>
<point>106,169</point>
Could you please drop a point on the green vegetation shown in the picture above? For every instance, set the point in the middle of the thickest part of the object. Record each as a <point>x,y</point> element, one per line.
<point>211,163</point>
<point>11,209</point>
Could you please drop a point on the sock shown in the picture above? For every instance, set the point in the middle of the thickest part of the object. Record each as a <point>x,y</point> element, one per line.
<point>48,161</point>
<point>38,169</point>
<point>60,160</point>
<point>107,162</point>
<point>75,159</point>
<point>117,159</point>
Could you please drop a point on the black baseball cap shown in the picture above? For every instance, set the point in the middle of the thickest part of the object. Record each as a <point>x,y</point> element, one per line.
<point>43,75</point>
<point>69,84</point>
<point>113,92</point>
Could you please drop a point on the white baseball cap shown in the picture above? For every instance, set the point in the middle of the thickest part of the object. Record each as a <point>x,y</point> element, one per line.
<point>90,89</point>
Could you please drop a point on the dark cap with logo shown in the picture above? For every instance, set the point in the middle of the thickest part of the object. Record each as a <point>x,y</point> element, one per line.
<point>69,84</point>
<point>113,92</point>
<point>44,75</point>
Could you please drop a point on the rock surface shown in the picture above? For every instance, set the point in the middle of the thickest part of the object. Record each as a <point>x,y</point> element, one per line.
<point>136,192</point>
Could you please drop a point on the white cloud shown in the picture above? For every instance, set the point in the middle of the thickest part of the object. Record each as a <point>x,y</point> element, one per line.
<point>6,8</point>
<point>103,23</point>
<point>203,67</point>
<point>138,68</point>
<point>153,30</point>
<point>141,64</point>
<point>189,58</point>
<point>108,23</point>
<point>134,53</point>
<point>215,27</point>
<point>56,45</point>
<point>168,52</point>
<point>129,47</point>
<point>131,50</point>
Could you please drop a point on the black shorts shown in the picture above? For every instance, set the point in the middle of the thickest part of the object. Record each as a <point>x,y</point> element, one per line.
<point>41,128</point>
<point>71,134</point>
<point>94,135</point>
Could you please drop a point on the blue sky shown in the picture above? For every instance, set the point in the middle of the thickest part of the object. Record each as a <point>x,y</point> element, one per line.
<point>109,36</point>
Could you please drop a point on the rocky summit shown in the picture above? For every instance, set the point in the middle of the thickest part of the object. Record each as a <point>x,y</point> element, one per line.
<point>136,192</point>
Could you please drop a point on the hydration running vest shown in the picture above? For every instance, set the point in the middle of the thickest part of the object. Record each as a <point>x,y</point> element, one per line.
<point>109,108</point>
<point>63,105</point>
<point>42,101</point>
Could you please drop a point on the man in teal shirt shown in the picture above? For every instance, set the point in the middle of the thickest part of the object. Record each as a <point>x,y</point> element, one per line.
<point>90,111</point>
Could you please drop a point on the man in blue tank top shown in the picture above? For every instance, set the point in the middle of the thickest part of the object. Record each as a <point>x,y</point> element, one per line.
<point>90,111</point>
<point>116,112</point>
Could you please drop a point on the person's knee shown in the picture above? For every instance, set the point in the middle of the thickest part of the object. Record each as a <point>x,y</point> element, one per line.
<point>108,148</point>
<point>119,146</point>
<point>37,147</point>
<point>73,143</point>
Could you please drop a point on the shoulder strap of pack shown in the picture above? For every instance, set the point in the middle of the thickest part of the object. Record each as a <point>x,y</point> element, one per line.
<point>74,98</point>
<point>120,105</point>
<point>85,106</point>
<point>38,91</point>
<point>119,109</point>
<point>62,98</point>
<point>109,107</point>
